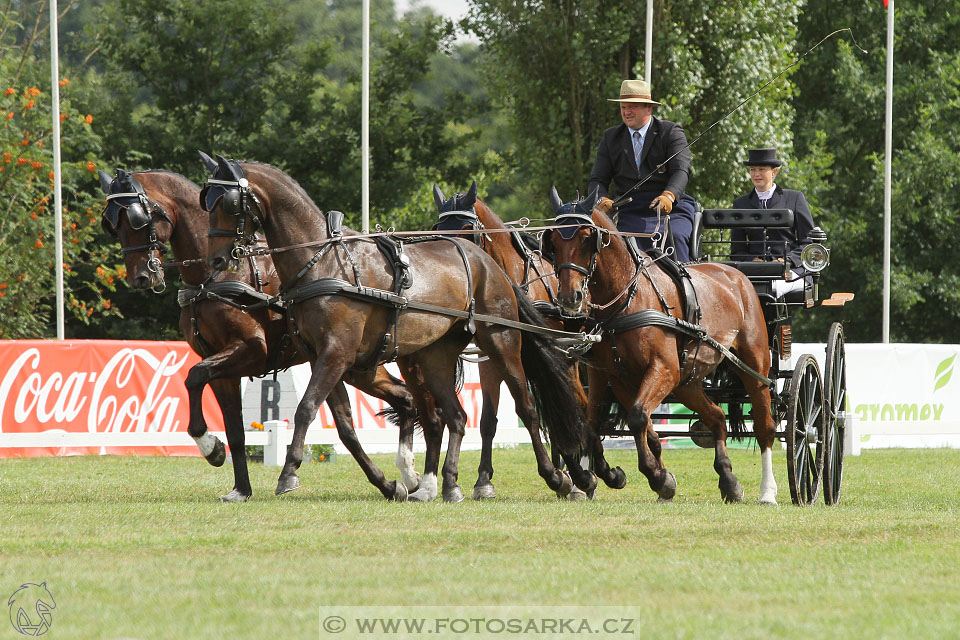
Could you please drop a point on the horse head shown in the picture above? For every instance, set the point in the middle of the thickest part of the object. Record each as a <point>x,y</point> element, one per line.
<point>574,248</point>
<point>142,226</point>
<point>457,213</point>
<point>235,214</point>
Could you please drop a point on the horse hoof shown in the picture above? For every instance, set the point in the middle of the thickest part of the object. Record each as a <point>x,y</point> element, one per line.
<point>219,454</point>
<point>665,500</point>
<point>669,488</point>
<point>735,496</point>
<point>566,486</point>
<point>591,482</point>
<point>769,501</point>
<point>287,484</point>
<point>453,495</point>
<point>419,496</point>
<point>234,496</point>
<point>399,492</point>
<point>576,495</point>
<point>616,478</point>
<point>484,491</point>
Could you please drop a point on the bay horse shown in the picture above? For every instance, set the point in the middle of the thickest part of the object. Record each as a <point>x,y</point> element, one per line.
<point>148,209</point>
<point>353,307</point>
<point>525,266</point>
<point>642,364</point>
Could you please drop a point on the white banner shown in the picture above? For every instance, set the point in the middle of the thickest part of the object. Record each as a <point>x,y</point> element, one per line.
<point>901,395</point>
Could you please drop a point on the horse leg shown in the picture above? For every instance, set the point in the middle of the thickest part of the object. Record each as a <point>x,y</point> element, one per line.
<point>694,398</point>
<point>597,403</point>
<point>503,347</point>
<point>432,431</point>
<point>227,392</point>
<point>490,385</point>
<point>396,394</point>
<point>763,428</point>
<point>339,403</point>
<point>239,356</point>
<point>327,371</point>
<point>658,380</point>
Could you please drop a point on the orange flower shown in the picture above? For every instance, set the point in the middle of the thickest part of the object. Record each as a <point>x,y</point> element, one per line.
<point>64,82</point>
<point>36,164</point>
<point>73,225</point>
<point>2,293</point>
<point>10,115</point>
<point>25,142</point>
<point>122,272</point>
<point>33,215</point>
<point>33,92</point>
<point>21,277</point>
<point>38,244</point>
<point>90,311</point>
<point>63,117</point>
<point>7,157</point>
<point>91,167</point>
<point>106,303</point>
<point>21,161</point>
<point>75,241</point>
<point>29,105</point>
<point>10,91</point>
<point>3,285</point>
<point>50,175</point>
<point>88,119</point>
<point>100,271</point>
<point>73,303</point>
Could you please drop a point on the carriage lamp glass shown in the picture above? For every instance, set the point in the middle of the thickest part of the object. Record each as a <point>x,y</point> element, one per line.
<point>815,257</point>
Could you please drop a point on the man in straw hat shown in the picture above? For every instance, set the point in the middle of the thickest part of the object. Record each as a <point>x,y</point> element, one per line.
<point>637,150</point>
<point>780,244</point>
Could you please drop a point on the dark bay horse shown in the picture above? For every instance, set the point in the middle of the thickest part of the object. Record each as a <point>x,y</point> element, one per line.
<point>232,343</point>
<point>342,306</point>
<point>643,365</point>
<point>525,266</point>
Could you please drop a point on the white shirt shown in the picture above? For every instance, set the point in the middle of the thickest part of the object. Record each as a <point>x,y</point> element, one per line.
<point>765,195</point>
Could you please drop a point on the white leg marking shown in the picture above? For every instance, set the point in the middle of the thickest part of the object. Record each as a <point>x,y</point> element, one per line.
<point>768,484</point>
<point>427,491</point>
<point>408,474</point>
<point>206,443</point>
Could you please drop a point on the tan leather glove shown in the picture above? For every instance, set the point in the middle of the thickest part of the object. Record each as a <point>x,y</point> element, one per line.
<point>605,205</point>
<point>665,200</point>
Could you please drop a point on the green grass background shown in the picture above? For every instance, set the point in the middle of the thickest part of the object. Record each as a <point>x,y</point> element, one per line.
<point>138,548</point>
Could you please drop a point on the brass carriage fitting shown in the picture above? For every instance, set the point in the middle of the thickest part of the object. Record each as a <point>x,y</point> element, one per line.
<point>786,341</point>
<point>815,256</point>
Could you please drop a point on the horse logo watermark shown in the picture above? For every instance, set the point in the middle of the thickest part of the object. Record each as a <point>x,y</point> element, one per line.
<point>30,609</point>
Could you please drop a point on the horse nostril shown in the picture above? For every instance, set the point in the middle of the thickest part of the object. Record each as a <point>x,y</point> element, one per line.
<point>141,282</point>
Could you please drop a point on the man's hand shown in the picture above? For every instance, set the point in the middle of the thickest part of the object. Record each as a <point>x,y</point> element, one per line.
<point>605,205</point>
<point>665,200</point>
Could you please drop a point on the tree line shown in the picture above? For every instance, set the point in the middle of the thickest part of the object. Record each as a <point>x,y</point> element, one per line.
<point>519,106</point>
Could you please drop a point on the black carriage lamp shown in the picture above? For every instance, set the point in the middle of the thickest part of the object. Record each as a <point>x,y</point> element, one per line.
<point>815,256</point>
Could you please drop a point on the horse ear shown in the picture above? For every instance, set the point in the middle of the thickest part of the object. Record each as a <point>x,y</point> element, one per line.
<point>223,166</point>
<point>438,196</point>
<point>591,200</point>
<point>471,198</point>
<point>105,181</point>
<point>207,161</point>
<point>555,202</point>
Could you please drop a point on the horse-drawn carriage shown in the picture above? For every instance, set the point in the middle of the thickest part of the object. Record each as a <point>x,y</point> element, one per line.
<point>808,405</point>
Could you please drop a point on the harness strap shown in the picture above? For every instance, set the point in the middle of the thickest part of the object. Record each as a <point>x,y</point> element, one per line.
<point>654,318</point>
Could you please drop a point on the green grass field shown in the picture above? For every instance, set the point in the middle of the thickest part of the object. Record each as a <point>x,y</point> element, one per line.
<point>138,548</point>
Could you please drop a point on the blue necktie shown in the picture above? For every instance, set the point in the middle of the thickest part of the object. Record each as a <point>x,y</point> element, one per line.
<point>637,148</point>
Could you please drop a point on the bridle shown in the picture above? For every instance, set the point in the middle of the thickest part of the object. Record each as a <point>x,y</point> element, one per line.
<point>573,221</point>
<point>236,198</point>
<point>141,211</point>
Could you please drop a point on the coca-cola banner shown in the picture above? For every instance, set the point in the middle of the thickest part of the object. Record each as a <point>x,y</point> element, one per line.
<point>98,387</point>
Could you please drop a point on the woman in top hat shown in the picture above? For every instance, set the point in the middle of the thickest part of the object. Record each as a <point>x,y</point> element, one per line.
<point>634,151</point>
<point>781,244</point>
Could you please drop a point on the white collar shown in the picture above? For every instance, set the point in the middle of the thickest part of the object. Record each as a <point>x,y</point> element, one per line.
<point>766,195</point>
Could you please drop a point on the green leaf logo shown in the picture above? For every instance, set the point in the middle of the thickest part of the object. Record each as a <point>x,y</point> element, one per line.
<point>944,371</point>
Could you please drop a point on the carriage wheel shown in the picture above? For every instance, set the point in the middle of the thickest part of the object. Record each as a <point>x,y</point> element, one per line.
<point>806,431</point>
<point>835,393</point>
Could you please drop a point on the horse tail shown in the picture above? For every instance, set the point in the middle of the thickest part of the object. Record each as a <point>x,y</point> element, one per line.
<point>393,417</point>
<point>738,425</point>
<point>548,372</point>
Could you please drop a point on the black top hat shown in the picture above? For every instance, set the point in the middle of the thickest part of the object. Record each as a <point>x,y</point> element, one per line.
<point>762,158</point>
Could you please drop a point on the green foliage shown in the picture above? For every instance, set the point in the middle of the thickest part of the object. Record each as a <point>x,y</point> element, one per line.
<point>27,231</point>
<point>841,108</point>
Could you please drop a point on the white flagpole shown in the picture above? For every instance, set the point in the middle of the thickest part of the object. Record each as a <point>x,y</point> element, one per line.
<point>57,201</point>
<point>648,58</point>
<point>887,175</point>
<point>365,123</point>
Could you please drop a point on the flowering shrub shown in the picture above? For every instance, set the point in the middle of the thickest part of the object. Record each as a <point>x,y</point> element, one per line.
<point>27,216</point>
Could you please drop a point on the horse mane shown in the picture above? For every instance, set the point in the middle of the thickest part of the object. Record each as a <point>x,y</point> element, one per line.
<point>166,172</point>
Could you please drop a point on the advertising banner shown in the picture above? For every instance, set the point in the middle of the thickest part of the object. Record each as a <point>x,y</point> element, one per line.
<point>98,387</point>
<point>901,395</point>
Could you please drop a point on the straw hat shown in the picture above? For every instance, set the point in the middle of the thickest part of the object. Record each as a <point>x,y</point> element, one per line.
<point>634,91</point>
